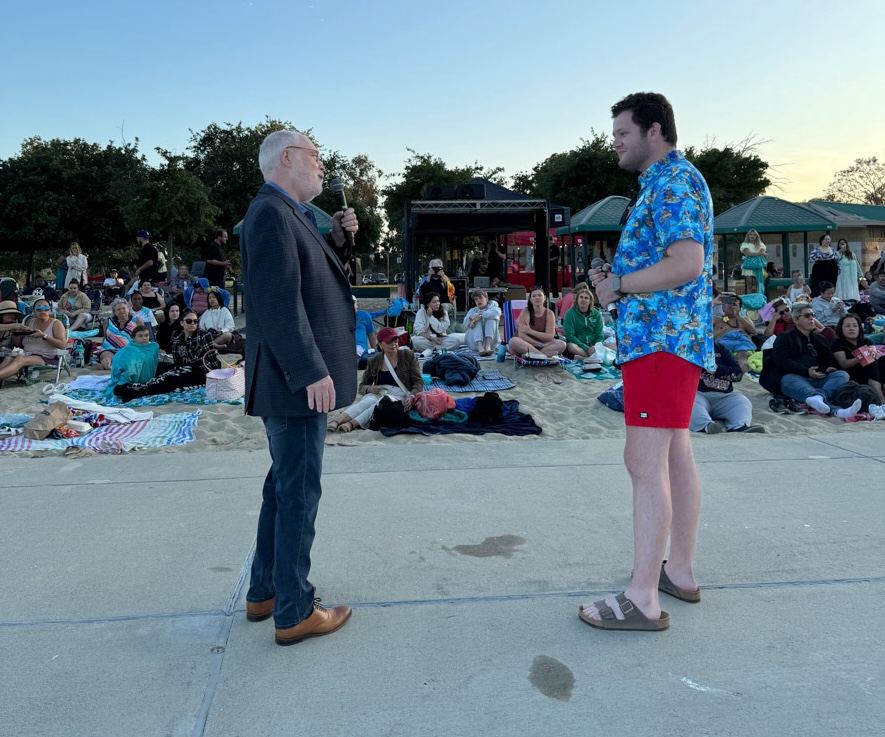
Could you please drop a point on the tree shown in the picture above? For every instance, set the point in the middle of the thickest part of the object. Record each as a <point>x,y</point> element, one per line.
<point>56,191</point>
<point>862,183</point>
<point>734,175</point>
<point>225,158</point>
<point>421,170</point>
<point>179,205</point>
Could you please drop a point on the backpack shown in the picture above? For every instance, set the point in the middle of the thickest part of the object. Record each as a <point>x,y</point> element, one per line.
<point>389,413</point>
<point>488,410</point>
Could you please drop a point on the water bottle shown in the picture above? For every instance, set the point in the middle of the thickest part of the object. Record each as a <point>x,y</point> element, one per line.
<point>502,351</point>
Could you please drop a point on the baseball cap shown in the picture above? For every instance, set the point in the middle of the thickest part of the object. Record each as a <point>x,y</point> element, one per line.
<point>142,234</point>
<point>385,335</point>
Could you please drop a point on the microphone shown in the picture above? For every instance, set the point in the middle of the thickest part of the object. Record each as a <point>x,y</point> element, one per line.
<point>598,263</point>
<point>337,187</point>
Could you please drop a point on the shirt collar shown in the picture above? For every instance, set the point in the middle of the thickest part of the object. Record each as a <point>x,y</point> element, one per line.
<point>671,158</point>
<point>285,194</point>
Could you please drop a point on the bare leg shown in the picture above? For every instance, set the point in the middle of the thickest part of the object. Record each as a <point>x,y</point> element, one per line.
<point>79,321</point>
<point>576,350</point>
<point>685,495</point>
<point>11,366</point>
<point>646,455</point>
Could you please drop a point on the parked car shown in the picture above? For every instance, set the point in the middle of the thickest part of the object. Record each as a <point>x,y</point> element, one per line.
<point>374,278</point>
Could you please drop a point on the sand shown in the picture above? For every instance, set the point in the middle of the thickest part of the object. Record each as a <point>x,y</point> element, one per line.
<point>566,411</point>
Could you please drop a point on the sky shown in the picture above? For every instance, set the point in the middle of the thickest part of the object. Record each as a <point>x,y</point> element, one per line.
<point>500,82</point>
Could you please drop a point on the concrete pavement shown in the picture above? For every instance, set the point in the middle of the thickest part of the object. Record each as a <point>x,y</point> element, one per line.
<point>122,608</point>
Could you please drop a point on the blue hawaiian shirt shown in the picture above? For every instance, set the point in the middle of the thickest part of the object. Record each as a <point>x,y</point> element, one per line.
<point>673,204</point>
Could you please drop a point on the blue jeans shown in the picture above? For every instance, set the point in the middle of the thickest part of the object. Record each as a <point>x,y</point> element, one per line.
<point>801,387</point>
<point>286,529</point>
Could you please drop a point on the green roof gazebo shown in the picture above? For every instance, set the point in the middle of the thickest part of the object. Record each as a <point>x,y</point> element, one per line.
<point>603,216</point>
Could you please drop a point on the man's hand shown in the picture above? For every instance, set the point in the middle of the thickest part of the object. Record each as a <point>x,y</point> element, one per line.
<point>602,284</point>
<point>341,222</point>
<point>321,395</point>
<point>815,373</point>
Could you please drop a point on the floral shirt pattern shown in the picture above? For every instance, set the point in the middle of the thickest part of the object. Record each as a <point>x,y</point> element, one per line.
<point>673,204</point>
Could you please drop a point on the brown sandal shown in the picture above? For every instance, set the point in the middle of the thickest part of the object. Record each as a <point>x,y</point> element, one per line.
<point>668,587</point>
<point>633,618</point>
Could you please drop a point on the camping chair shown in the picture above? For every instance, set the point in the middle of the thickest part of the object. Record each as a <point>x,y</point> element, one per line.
<point>64,362</point>
<point>511,313</point>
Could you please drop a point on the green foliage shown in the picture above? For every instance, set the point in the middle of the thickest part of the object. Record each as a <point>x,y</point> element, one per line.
<point>579,177</point>
<point>57,191</point>
<point>862,183</point>
<point>225,158</point>
<point>733,176</point>
<point>179,203</point>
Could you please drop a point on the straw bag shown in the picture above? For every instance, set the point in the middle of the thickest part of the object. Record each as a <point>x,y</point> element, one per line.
<point>225,384</point>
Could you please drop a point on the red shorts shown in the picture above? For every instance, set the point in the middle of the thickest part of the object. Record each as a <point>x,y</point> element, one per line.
<point>659,391</point>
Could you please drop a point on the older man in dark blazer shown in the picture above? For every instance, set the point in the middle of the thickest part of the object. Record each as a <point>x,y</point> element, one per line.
<point>299,366</point>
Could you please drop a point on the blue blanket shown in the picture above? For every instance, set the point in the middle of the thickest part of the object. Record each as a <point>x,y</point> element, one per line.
<point>513,423</point>
<point>490,380</point>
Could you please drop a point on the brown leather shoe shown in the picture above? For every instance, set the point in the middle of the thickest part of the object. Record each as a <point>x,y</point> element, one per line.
<point>321,622</point>
<point>258,611</point>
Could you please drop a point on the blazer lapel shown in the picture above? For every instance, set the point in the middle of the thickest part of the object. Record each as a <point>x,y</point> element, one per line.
<point>309,226</point>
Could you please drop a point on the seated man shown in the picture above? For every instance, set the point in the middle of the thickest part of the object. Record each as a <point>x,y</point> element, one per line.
<point>365,330</point>
<point>41,288</point>
<point>113,286</point>
<point>877,293</point>
<point>802,366</point>
<point>480,267</point>
<point>717,406</point>
<point>182,280</point>
<point>734,331</point>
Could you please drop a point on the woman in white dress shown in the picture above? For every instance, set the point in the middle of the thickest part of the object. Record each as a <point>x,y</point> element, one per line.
<point>78,265</point>
<point>847,284</point>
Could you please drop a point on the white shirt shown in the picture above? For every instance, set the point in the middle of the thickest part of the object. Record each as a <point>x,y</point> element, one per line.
<point>219,320</point>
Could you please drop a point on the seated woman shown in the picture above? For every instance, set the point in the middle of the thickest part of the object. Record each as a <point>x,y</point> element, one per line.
<point>862,369</point>
<point>583,324</point>
<point>192,350</point>
<point>393,371</point>
<point>482,323</point>
<point>75,305</point>
<point>135,363</point>
<point>734,331</point>
<point>10,324</point>
<point>536,328</point>
<point>118,331</point>
<point>431,327</point>
<point>827,309</point>
<point>169,326</point>
<point>44,336</point>
<point>217,320</point>
<point>152,299</point>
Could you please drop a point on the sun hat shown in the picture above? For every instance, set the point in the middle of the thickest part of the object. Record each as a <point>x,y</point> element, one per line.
<point>8,307</point>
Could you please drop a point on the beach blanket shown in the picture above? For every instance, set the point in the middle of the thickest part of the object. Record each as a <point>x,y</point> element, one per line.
<point>176,429</point>
<point>608,373</point>
<point>488,380</point>
<point>514,423</point>
<point>194,395</point>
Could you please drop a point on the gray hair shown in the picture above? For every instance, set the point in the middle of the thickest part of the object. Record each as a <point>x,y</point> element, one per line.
<point>120,301</point>
<point>435,262</point>
<point>798,307</point>
<point>272,147</point>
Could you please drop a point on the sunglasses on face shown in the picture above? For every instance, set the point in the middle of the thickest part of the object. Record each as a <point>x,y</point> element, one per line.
<point>42,308</point>
<point>808,314</point>
<point>782,312</point>
<point>190,322</point>
<point>436,269</point>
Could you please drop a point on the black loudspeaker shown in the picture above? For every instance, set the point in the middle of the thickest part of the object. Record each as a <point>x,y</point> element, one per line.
<point>460,293</point>
<point>439,192</point>
<point>471,192</point>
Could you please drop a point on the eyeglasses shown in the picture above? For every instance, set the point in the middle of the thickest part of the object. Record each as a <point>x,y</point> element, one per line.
<point>808,314</point>
<point>313,152</point>
<point>42,308</point>
<point>191,322</point>
<point>812,350</point>
<point>436,269</point>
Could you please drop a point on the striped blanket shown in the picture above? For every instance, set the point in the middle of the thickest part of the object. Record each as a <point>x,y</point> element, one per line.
<point>194,395</point>
<point>490,380</point>
<point>175,429</point>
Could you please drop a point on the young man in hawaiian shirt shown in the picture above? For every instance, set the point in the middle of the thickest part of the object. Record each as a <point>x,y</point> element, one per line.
<point>661,280</point>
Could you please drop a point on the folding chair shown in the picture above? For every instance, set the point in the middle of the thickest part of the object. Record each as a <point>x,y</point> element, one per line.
<point>64,362</point>
<point>511,313</point>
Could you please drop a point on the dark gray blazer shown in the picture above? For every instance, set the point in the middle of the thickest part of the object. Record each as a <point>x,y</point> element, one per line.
<point>301,324</point>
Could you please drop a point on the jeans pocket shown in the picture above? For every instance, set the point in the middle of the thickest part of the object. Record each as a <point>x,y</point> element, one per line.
<point>275,425</point>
